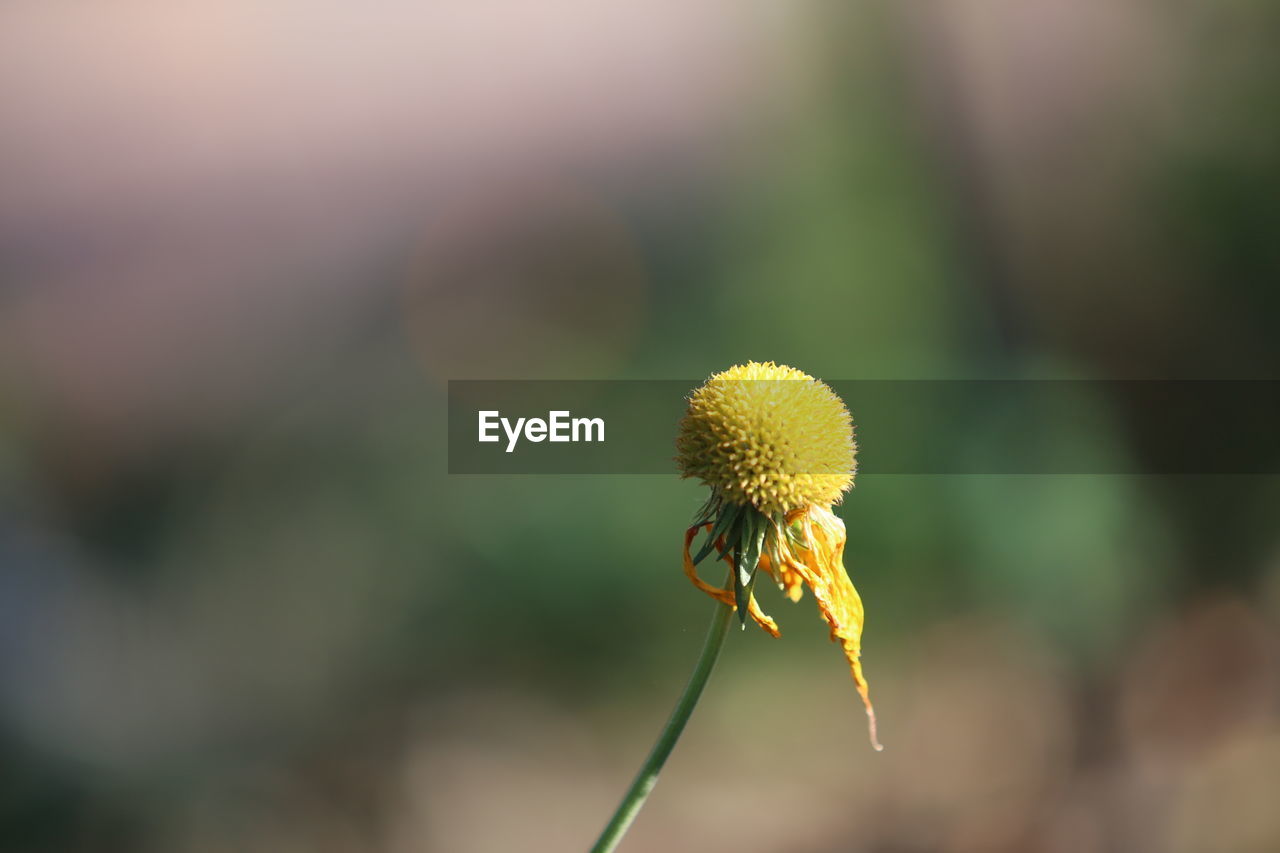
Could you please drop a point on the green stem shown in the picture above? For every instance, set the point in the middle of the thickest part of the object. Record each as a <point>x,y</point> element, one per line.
<point>634,799</point>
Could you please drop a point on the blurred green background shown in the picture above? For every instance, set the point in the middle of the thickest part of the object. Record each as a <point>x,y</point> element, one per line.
<point>244,608</point>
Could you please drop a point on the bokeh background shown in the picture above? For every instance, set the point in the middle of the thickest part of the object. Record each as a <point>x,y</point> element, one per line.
<point>243,246</point>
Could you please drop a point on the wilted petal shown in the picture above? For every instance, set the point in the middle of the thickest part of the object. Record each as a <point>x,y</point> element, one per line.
<point>822,567</point>
<point>723,595</point>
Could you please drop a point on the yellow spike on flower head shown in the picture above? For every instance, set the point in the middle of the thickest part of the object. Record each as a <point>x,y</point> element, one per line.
<point>776,447</point>
<point>769,436</point>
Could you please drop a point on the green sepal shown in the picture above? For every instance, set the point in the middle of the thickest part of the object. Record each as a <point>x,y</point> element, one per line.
<point>733,536</point>
<point>795,534</point>
<point>774,528</point>
<point>743,611</point>
<point>728,514</point>
<point>709,510</point>
<point>747,561</point>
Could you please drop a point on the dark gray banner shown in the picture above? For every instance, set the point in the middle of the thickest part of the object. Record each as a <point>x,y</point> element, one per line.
<point>903,426</point>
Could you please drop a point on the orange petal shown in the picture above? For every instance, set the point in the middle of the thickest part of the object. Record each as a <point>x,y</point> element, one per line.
<point>691,571</point>
<point>822,567</point>
<point>724,596</point>
<point>792,583</point>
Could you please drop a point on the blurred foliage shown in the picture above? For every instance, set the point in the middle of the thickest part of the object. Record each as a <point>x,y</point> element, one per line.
<point>273,621</point>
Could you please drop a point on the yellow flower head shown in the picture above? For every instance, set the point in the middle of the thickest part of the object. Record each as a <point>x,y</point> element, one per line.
<point>776,447</point>
<point>769,436</point>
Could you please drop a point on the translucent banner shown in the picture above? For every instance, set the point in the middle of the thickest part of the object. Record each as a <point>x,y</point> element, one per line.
<point>903,426</point>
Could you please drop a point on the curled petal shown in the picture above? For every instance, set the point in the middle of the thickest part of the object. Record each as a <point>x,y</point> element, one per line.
<point>724,596</point>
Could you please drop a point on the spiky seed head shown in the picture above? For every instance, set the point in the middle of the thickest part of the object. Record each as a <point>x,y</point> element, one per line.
<point>770,436</point>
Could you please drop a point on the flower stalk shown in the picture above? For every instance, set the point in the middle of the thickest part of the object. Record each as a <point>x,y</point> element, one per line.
<point>636,795</point>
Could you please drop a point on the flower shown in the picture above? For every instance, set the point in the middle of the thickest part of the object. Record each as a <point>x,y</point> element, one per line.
<point>776,447</point>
